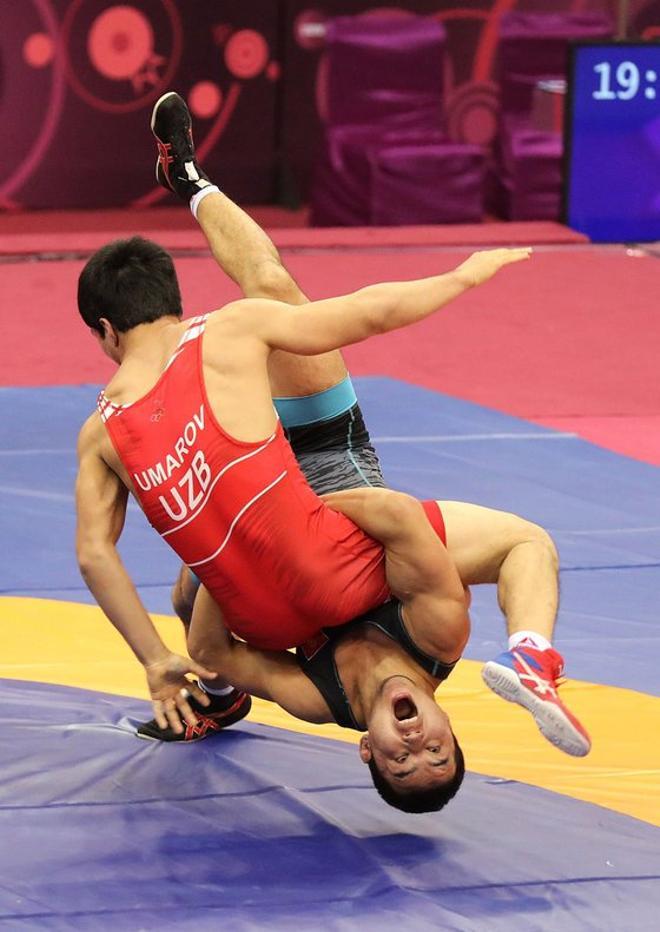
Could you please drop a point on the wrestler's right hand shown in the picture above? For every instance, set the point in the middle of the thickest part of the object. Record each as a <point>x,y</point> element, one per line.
<point>170,689</point>
<point>484,264</point>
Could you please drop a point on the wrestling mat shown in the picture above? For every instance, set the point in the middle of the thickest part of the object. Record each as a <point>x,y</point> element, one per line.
<point>274,824</point>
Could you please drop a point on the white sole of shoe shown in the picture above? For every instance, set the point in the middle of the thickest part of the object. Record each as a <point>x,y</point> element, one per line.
<point>157,105</point>
<point>551,721</point>
<point>152,124</point>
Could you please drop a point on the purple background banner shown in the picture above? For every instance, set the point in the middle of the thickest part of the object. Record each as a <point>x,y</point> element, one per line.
<point>470,79</point>
<point>78,79</point>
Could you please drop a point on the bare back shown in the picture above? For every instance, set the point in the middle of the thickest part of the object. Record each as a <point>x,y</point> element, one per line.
<point>235,372</point>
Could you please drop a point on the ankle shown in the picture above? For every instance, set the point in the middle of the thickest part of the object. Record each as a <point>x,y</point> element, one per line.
<point>199,196</point>
<point>529,639</point>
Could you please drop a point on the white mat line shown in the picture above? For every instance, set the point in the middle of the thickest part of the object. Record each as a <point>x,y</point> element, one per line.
<point>38,452</point>
<point>456,438</point>
<point>33,493</point>
<point>613,530</point>
<point>421,438</point>
<point>131,505</point>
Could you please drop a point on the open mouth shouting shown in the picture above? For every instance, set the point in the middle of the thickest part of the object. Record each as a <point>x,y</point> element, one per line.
<point>403,707</point>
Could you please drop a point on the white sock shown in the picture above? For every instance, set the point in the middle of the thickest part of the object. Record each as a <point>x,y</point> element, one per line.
<point>531,638</point>
<point>197,198</point>
<point>215,692</point>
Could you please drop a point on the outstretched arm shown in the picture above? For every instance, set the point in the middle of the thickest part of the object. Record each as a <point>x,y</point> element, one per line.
<point>322,326</point>
<point>101,509</point>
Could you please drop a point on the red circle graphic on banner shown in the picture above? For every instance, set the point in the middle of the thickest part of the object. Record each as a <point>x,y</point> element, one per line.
<point>38,50</point>
<point>205,99</point>
<point>54,103</point>
<point>246,54</point>
<point>120,42</point>
<point>120,46</point>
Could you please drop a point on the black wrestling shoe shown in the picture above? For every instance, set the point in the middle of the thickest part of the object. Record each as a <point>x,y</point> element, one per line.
<point>223,712</point>
<point>176,166</point>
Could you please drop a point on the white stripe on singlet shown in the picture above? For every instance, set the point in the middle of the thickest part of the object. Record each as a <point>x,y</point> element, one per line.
<point>236,520</point>
<point>107,408</point>
<point>196,329</point>
<point>196,325</point>
<point>246,456</point>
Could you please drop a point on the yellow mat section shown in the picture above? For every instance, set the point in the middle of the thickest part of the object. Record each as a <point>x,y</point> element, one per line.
<point>74,645</point>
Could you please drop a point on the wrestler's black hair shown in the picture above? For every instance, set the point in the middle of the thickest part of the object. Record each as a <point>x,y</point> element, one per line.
<point>129,282</point>
<point>421,800</point>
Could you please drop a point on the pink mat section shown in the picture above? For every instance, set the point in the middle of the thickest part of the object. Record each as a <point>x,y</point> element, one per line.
<point>83,233</point>
<point>117,221</point>
<point>568,340</point>
<point>635,436</point>
<point>571,333</point>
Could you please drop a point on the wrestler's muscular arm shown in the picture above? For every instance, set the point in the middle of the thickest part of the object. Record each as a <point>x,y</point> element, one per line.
<point>101,501</point>
<point>271,675</point>
<point>419,569</point>
<point>326,325</point>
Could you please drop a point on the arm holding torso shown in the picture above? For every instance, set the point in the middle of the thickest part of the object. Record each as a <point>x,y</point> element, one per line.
<point>271,675</point>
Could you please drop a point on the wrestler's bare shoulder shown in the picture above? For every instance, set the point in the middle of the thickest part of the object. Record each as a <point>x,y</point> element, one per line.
<point>93,439</point>
<point>91,433</point>
<point>232,337</point>
<point>240,317</point>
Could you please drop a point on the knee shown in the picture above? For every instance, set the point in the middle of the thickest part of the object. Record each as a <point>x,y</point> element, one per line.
<point>545,546</point>
<point>202,648</point>
<point>271,280</point>
<point>545,542</point>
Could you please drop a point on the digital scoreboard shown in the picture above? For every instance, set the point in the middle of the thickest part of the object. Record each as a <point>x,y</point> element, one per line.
<point>612,141</point>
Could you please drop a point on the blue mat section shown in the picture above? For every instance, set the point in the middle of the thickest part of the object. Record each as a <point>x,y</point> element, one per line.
<point>259,828</point>
<point>603,510</point>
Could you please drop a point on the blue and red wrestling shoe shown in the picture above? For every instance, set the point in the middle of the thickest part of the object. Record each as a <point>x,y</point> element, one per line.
<point>529,676</point>
<point>221,713</point>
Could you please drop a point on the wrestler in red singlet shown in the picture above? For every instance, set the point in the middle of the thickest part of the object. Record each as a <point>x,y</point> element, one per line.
<point>279,562</point>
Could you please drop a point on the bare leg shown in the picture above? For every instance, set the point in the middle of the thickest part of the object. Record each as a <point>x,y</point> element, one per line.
<point>490,546</point>
<point>246,253</point>
<point>208,637</point>
<point>183,595</point>
<point>249,257</point>
<point>419,569</point>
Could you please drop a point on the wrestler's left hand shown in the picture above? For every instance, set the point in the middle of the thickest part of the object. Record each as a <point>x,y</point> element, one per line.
<point>170,690</point>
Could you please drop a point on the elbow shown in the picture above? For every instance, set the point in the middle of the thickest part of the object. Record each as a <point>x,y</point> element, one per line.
<point>382,313</point>
<point>86,565</point>
<point>91,558</point>
<point>377,318</point>
<point>380,324</point>
<point>364,313</point>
